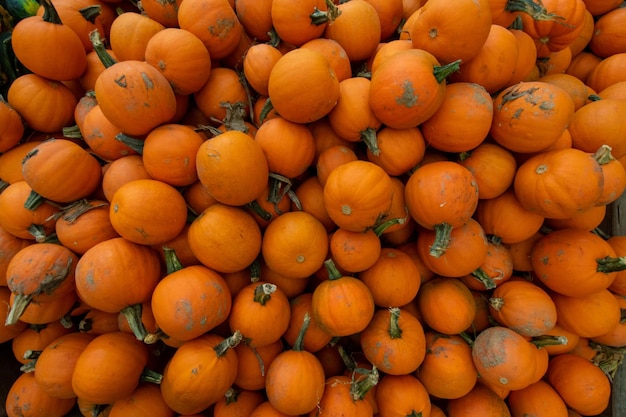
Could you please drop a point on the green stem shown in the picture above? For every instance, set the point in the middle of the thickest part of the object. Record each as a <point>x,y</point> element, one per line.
<point>3,185</point>
<point>395,332</point>
<point>133,317</point>
<point>152,338</point>
<point>279,187</point>
<point>91,13</point>
<point>263,292</point>
<point>133,143</point>
<point>464,155</point>
<point>594,97</point>
<point>298,345</point>
<point>548,340</point>
<point>20,303</point>
<point>72,212</point>
<point>442,240</point>
<point>72,132</point>
<point>380,228</point>
<point>441,72</point>
<point>255,271</point>
<point>50,14</point>
<point>33,200</point>
<point>414,414</point>
<point>603,155</point>
<point>467,338</point>
<point>360,388</point>
<point>98,46</point>
<point>172,263</point>
<point>31,354</point>
<point>228,343</point>
<point>484,278</point>
<point>331,268</point>
<point>609,264</point>
<point>320,17</point>
<point>265,110</point>
<point>259,211</point>
<point>368,136</point>
<point>347,360</point>
<point>29,366</point>
<point>535,10</point>
<point>231,396</point>
<point>148,375</point>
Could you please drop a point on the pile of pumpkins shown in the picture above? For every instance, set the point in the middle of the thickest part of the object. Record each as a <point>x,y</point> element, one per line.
<point>312,208</point>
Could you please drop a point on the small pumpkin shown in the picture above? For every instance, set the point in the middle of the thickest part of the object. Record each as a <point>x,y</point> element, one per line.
<point>26,398</point>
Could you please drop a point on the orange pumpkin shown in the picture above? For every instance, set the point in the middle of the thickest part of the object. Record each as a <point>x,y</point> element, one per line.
<point>358,44</point>
<point>12,127</point>
<point>33,221</point>
<point>26,398</point>
<point>298,23</point>
<point>589,315</point>
<point>402,395</point>
<point>447,295</point>
<point>130,33</point>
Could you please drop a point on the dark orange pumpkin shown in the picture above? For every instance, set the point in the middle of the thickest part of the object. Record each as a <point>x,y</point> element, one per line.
<point>446,305</point>
<point>26,398</point>
<point>398,395</point>
<point>358,44</point>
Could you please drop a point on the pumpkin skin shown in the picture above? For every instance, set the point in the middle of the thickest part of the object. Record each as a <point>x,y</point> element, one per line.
<point>480,401</point>
<point>9,246</point>
<point>294,22</point>
<point>330,158</point>
<point>408,88</point>
<point>61,171</point>
<point>240,172</point>
<point>35,338</point>
<point>339,399</point>
<point>359,45</point>
<point>100,136</point>
<point>236,403</point>
<point>291,91</point>
<point>530,116</point>
<point>135,96</point>
<point>357,195</point>
<point>398,395</point>
<point>146,398</point>
<point>543,183</point>
<point>26,398</point>
<point>12,127</point>
<point>582,385</point>
<point>48,48</point>
<point>394,342</point>
<point>223,88</point>
<point>295,245</point>
<point>256,18</point>
<point>130,33</point>
<point>257,66</point>
<point>448,295</point>
<point>596,124</point>
<point>448,358</point>
<point>19,221</point>
<point>589,315</point>
<point>225,238</point>
<point>400,150</point>
<point>335,54</point>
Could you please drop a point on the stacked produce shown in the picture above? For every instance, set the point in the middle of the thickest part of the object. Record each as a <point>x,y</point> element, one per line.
<point>312,208</point>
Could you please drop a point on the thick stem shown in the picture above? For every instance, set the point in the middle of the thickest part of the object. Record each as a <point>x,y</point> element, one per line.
<point>608,358</point>
<point>72,132</point>
<point>484,278</point>
<point>3,185</point>
<point>535,10</point>
<point>279,186</point>
<point>380,229</point>
<point>442,240</point>
<point>29,366</point>
<point>548,340</point>
<point>496,303</point>
<point>348,360</point>
<point>152,338</point>
<point>98,46</point>
<point>263,292</point>
<point>231,396</point>
<point>148,375</point>
<point>395,332</point>
<point>20,302</point>
<point>368,136</point>
<point>603,155</point>
<point>360,388</point>
<point>333,272</point>
<point>259,211</point>
<point>443,71</point>
<point>133,317</point>
<point>320,17</point>
<point>33,200</point>
<point>609,264</point>
<point>50,14</point>
<point>91,13</point>
<point>298,345</point>
<point>133,143</point>
<point>38,232</point>
<point>414,414</point>
<point>172,263</point>
<point>77,209</point>
<point>228,343</point>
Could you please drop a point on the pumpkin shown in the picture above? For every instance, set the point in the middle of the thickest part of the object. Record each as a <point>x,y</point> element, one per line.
<point>446,305</point>
<point>408,88</point>
<point>190,310</point>
<point>257,65</point>
<point>400,149</point>
<point>129,34</point>
<point>233,168</point>
<point>166,14</point>
<point>394,341</point>
<point>200,372</point>
<point>466,103</point>
<point>286,390</point>
<point>481,400</point>
<point>237,402</point>
<point>450,206</point>
<point>47,47</point>
<point>11,163</point>
<point>342,305</point>
<point>402,395</point>
<point>34,338</point>
<point>26,398</point>
<point>596,123</point>
<point>299,97</point>
<point>497,268</point>
<point>530,116</point>
<point>100,135</point>
<point>358,195</point>
<point>32,221</point>
<point>310,193</point>
<point>526,62</point>
<point>181,57</point>
<point>43,170</point>
<point>45,105</point>
<point>523,307</point>
<point>543,183</point>
<point>298,23</point>
<point>347,395</point>
<point>444,32</point>
<point>12,127</point>
<point>588,315</point>
<point>39,273</point>
<point>256,18</point>
<point>606,72</point>
<point>222,89</point>
<point>260,311</point>
<point>582,65</point>
<point>336,55</point>
<point>253,362</point>
<point>582,385</point>
<point>109,367</point>
<point>146,398</point>
<point>504,358</point>
<point>354,251</point>
<point>9,246</point>
<point>315,338</point>
<point>615,337</point>
<point>359,45</point>
<point>121,171</point>
<point>330,158</point>
<point>56,362</point>
<point>448,358</point>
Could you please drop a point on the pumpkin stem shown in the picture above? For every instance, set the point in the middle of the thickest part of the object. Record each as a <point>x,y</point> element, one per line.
<point>598,231</point>
<point>609,264</point>
<point>331,268</point>
<point>359,388</point>
<point>442,240</point>
<point>90,13</point>
<point>31,354</point>
<point>594,97</point>
<point>29,366</point>
<point>263,292</point>
<point>98,46</point>
<point>380,229</point>
<point>72,212</point>
<point>294,199</point>
<point>133,317</point>
<point>464,155</point>
<point>33,200</point>
<point>441,72</point>
<point>414,414</point>
<point>298,345</point>
<point>133,143</point>
<point>72,132</point>
<point>20,302</point>
<point>347,360</point>
<point>517,23</point>
<point>536,10</point>
<point>230,342</point>
<point>50,14</point>
<point>604,155</point>
<point>172,263</point>
<point>279,187</point>
<point>235,116</point>
<point>148,375</point>
<point>467,338</point>
<point>484,278</point>
<point>496,303</point>
<point>3,185</point>
<point>395,332</point>
<point>38,232</point>
<point>369,137</point>
<point>608,358</point>
<point>259,211</point>
<point>548,340</point>
<point>255,271</point>
<point>265,110</point>
<point>152,338</point>
<point>319,17</point>
<point>231,396</point>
